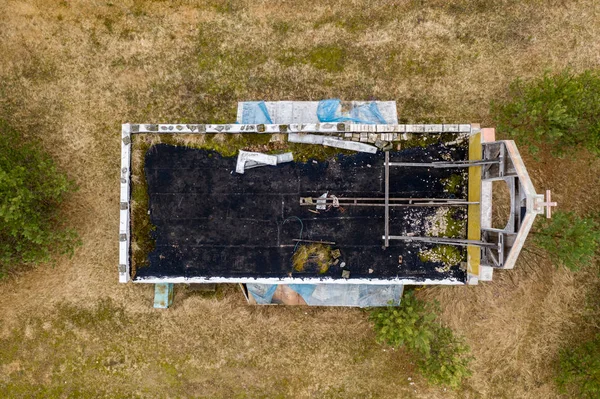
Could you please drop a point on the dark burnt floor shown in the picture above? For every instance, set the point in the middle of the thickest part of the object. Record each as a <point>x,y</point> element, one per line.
<point>213,222</point>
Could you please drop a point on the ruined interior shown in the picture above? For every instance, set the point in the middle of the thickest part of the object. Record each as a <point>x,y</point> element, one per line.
<point>213,222</point>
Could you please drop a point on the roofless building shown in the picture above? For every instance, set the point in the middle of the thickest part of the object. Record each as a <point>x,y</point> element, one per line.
<point>334,204</point>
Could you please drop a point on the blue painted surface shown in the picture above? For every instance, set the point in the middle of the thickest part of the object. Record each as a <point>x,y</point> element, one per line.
<point>163,295</point>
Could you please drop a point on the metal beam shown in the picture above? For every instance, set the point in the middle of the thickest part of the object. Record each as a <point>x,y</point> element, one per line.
<point>458,164</point>
<point>442,240</point>
<point>314,241</point>
<point>387,198</point>
<point>411,205</point>
<point>409,199</point>
<point>387,202</point>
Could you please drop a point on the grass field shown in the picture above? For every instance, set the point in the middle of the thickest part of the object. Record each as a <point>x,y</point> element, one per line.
<point>72,71</point>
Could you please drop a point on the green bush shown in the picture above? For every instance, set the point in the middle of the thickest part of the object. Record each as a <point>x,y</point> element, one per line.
<point>412,324</point>
<point>570,240</point>
<point>31,189</point>
<point>442,357</point>
<point>448,359</point>
<point>579,370</point>
<point>561,110</point>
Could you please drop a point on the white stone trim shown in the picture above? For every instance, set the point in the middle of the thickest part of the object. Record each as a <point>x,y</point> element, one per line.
<point>128,129</point>
<point>297,128</point>
<point>124,217</point>
<point>291,280</point>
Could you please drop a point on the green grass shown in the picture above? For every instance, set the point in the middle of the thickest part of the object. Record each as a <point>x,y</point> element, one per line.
<point>423,64</point>
<point>57,335</point>
<point>330,58</point>
<point>281,28</point>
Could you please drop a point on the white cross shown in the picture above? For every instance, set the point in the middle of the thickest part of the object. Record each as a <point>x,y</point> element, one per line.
<point>548,204</point>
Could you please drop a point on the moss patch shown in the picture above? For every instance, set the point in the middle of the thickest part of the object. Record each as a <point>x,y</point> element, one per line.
<point>447,255</point>
<point>141,227</point>
<point>455,184</point>
<point>228,145</point>
<point>305,152</point>
<point>317,256</point>
<point>456,224</point>
<point>424,140</point>
<point>447,222</point>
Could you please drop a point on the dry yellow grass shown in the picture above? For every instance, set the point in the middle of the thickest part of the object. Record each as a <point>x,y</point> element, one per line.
<point>72,71</point>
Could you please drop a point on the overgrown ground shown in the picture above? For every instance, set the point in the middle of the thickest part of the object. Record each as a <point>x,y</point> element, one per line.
<point>72,71</point>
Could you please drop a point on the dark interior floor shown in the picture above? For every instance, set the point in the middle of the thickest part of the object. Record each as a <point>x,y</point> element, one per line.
<point>213,222</point>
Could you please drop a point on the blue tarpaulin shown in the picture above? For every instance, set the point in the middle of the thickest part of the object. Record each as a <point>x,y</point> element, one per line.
<point>359,295</point>
<point>331,111</point>
<point>305,290</point>
<point>262,293</point>
<point>255,112</point>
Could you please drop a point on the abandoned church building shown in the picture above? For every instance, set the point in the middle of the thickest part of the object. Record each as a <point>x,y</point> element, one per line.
<point>324,203</point>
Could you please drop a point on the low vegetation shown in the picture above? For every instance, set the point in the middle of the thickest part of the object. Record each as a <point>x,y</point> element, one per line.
<point>560,111</point>
<point>330,58</point>
<point>579,370</point>
<point>31,192</point>
<point>440,355</point>
<point>568,239</point>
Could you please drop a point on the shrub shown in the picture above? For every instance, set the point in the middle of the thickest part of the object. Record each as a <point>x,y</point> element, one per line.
<point>561,110</point>
<point>412,324</point>
<point>442,358</point>
<point>448,360</point>
<point>31,189</point>
<point>569,239</point>
<point>579,370</point>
